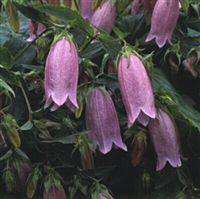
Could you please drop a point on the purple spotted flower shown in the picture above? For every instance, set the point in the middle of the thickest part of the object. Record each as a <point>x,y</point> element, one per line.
<point>54,193</point>
<point>61,75</point>
<point>163,21</point>
<point>136,89</point>
<point>165,138</point>
<point>104,16</point>
<point>86,9</point>
<point>102,121</point>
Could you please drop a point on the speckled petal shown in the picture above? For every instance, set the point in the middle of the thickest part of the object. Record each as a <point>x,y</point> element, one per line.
<point>61,73</point>
<point>163,22</point>
<point>102,121</point>
<point>165,138</point>
<point>135,87</point>
<point>104,16</point>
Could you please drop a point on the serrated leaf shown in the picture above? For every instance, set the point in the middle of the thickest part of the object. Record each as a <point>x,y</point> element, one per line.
<point>66,14</point>
<point>111,46</point>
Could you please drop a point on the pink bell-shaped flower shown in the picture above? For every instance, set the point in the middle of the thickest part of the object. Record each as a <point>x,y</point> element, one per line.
<point>104,16</point>
<point>163,21</point>
<point>136,89</point>
<point>86,9</point>
<point>61,74</point>
<point>102,121</point>
<point>34,29</point>
<point>54,193</point>
<point>166,141</point>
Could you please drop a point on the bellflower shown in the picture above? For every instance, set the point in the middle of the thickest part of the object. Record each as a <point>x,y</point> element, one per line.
<point>136,89</point>
<point>102,121</point>
<point>54,193</point>
<point>165,138</point>
<point>34,29</point>
<point>61,75</point>
<point>104,16</point>
<point>86,9</point>
<point>163,21</point>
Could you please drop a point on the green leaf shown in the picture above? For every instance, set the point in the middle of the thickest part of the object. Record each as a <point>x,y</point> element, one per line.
<point>7,155</point>
<point>182,177</point>
<point>6,58</point>
<point>27,126</point>
<point>5,86</point>
<point>111,45</point>
<point>21,154</point>
<point>66,14</point>
<point>183,111</point>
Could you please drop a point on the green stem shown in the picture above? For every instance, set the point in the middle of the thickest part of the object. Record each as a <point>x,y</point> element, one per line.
<point>27,102</point>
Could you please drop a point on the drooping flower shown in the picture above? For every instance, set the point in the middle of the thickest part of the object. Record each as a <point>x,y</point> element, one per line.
<point>61,75</point>
<point>54,193</point>
<point>102,121</point>
<point>166,141</point>
<point>34,29</point>
<point>136,89</point>
<point>104,16</point>
<point>149,4</point>
<point>163,21</point>
<point>86,9</point>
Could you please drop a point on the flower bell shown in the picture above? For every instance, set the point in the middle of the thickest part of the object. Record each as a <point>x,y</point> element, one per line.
<point>61,74</point>
<point>136,89</point>
<point>102,121</point>
<point>166,141</point>
<point>163,21</point>
<point>104,16</point>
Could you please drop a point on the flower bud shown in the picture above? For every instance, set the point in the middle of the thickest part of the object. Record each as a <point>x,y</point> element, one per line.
<point>21,177</point>
<point>102,121</point>
<point>135,9</point>
<point>166,141</point>
<point>138,148</point>
<point>163,21</point>
<point>54,193</point>
<point>136,89</point>
<point>104,16</point>
<point>61,75</point>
